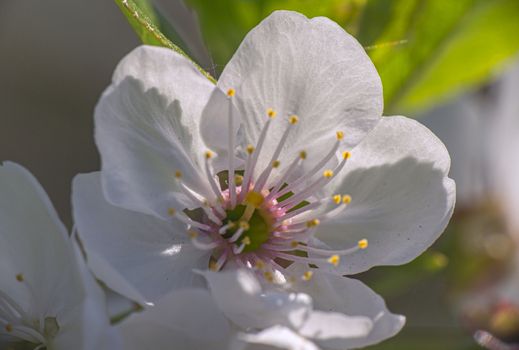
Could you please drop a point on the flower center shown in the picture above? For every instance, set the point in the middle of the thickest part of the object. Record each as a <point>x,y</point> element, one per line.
<point>262,224</point>
<point>252,233</point>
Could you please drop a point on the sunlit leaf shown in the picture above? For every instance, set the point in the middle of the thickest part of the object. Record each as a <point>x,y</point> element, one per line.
<point>145,21</point>
<point>444,46</point>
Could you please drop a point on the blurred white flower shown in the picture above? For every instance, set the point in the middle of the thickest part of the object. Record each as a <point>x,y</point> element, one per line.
<point>198,176</point>
<point>47,297</point>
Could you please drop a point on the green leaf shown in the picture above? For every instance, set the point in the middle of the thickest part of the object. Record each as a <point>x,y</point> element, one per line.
<point>145,21</point>
<point>449,46</point>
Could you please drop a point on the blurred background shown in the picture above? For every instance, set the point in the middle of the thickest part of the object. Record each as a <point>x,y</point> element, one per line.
<point>453,65</point>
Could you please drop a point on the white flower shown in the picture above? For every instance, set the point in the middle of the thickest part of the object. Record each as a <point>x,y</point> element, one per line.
<point>47,297</point>
<point>250,171</point>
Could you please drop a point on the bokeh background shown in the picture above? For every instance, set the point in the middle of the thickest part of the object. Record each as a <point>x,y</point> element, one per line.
<point>453,65</point>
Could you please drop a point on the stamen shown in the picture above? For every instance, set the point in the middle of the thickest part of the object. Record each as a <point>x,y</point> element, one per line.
<point>284,178</point>
<point>307,276</point>
<point>239,249</point>
<point>225,227</point>
<point>313,171</point>
<point>316,185</point>
<point>243,227</point>
<point>186,220</point>
<point>334,260</point>
<point>254,155</point>
<point>259,264</point>
<point>212,181</point>
<point>230,179</point>
<point>312,223</point>
<point>201,245</point>
<point>202,203</point>
<point>218,264</point>
<point>266,173</point>
<point>362,244</point>
<point>19,277</point>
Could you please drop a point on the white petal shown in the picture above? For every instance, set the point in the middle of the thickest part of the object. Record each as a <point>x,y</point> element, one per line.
<point>137,255</point>
<point>308,67</point>
<point>35,244</point>
<point>240,296</point>
<point>337,294</point>
<point>185,319</point>
<point>333,327</point>
<point>88,326</point>
<point>402,198</point>
<point>277,337</point>
<point>144,138</point>
<point>173,75</point>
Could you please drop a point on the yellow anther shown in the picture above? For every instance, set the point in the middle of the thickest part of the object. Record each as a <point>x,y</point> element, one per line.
<point>334,260</point>
<point>178,174</point>
<point>238,180</point>
<point>260,264</point>
<point>276,163</point>
<point>337,199</point>
<point>302,154</point>
<point>254,198</point>
<point>244,225</point>
<point>171,211</point>
<point>271,113</point>
<point>268,276</point>
<point>293,119</point>
<point>346,199</point>
<point>250,149</point>
<point>346,155</point>
<point>213,266</point>
<point>192,234</point>
<point>328,173</point>
<point>363,243</point>
<point>307,276</point>
<point>294,244</point>
<point>8,328</point>
<point>246,240</point>
<point>231,92</point>
<point>312,223</point>
<point>291,279</point>
<point>20,278</point>
<point>208,155</point>
<point>340,135</point>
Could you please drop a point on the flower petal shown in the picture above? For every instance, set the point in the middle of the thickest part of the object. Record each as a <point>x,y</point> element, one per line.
<point>214,125</point>
<point>40,269</point>
<point>147,130</point>
<point>308,67</point>
<point>185,319</point>
<point>402,198</point>
<point>337,294</point>
<point>136,255</point>
<point>240,296</point>
<point>332,327</point>
<point>34,244</point>
<point>277,337</point>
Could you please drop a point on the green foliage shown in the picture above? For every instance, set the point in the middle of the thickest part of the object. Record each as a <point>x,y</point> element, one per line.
<point>147,23</point>
<point>449,46</point>
<point>425,50</point>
